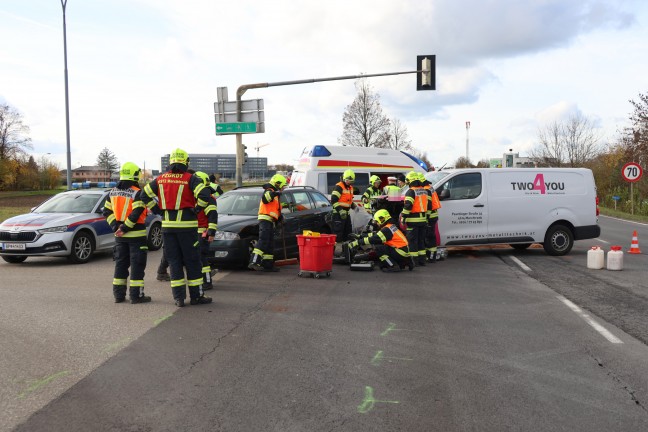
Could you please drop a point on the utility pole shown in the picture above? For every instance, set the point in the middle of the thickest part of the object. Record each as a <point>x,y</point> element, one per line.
<point>467,139</point>
<point>67,102</point>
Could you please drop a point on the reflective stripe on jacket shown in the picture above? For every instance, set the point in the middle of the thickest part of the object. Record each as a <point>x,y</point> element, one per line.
<point>342,196</point>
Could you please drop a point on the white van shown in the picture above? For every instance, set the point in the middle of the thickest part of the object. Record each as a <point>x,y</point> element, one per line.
<point>322,166</point>
<point>517,206</point>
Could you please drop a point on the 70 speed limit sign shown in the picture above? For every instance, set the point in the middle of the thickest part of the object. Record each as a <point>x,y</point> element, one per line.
<point>631,172</point>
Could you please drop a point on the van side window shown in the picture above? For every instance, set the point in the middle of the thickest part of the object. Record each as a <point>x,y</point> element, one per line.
<point>332,178</point>
<point>464,186</point>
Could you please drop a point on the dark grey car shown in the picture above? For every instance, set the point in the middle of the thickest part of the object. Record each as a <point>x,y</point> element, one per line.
<point>303,208</point>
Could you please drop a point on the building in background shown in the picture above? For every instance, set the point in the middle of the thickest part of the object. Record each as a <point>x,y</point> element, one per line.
<point>512,160</point>
<point>89,174</point>
<point>225,165</point>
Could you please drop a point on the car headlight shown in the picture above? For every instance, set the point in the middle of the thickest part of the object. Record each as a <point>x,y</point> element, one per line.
<point>226,235</point>
<point>57,229</point>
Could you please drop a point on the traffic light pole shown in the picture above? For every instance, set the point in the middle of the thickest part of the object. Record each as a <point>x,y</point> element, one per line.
<point>240,151</point>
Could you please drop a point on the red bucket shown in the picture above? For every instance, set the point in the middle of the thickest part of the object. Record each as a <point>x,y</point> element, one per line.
<point>316,253</point>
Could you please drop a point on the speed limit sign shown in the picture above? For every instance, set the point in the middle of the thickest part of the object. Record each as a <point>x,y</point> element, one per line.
<point>631,172</point>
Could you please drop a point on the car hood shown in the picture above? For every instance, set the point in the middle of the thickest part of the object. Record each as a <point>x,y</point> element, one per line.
<point>31,221</point>
<point>228,222</point>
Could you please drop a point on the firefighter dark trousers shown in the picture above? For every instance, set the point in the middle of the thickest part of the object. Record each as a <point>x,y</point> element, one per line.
<point>341,225</point>
<point>182,249</point>
<point>392,257</point>
<point>430,237</point>
<point>263,253</point>
<point>129,254</point>
<point>416,240</point>
<point>204,259</point>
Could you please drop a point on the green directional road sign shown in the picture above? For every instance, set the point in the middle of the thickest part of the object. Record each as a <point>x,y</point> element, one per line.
<point>235,128</point>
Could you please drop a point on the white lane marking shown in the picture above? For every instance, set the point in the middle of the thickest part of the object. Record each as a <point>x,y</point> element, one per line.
<point>521,264</point>
<point>602,241</point>
<point>589,320</point>
<point>624,220</point>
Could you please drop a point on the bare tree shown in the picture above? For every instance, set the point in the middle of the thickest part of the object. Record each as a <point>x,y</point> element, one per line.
<point>364,124</point>
<point>463,162</point>
<point>397,137</point>
<point>573,142</point>
<point>13,134</point>
<point>107,160</point>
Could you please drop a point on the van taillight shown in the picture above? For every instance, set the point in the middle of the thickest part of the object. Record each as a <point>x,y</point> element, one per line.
<point>597,206</point>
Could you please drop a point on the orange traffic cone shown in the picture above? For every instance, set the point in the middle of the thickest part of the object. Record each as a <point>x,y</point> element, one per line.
<point>634,246</point>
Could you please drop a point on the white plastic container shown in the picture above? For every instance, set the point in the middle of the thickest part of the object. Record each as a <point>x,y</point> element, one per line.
<point>615,258</point>
<point>595,258</point>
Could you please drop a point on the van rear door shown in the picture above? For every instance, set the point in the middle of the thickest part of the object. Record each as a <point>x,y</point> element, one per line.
<point>464,213</point>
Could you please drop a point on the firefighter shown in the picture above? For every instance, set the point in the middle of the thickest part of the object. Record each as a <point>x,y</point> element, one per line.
<point>432,218</point>
<point>414,216</point>
<point>179,193</point>
<point>391,189</point>
<point>217,190</point>
<point>126,214</point>
<point>368,198</point>
<point>262,258</point>
<point>391,244</point>
<point>203,225</point>
<point>342,201</point>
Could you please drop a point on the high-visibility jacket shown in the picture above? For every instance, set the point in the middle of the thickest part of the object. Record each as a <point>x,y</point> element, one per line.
<point>178,193</point>
<point>368,195</point>
<point>124,206</point>
<point>270,207</point>
<point>434,203</point>
<point>415,205</point>
<point>389,235</point>
<point>392,187</point>
<point>342,197</point>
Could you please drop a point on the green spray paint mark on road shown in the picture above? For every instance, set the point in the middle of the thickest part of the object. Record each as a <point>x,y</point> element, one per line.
<point>390,328</point>
<point>116,345</point>
<point>381,356</point>
<point>369,401</point>
<point>164,318</point>
<point>40,383</point>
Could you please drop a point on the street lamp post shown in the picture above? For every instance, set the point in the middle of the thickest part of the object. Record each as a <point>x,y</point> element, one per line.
<point>67,102</point>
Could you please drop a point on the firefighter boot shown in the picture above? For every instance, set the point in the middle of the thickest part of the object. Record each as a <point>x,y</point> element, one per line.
<point>119,291</point>
<point>200,300</point>
<point>137,295</point>
<point>432,257</point>
<point>255,262</point>
<point>179,295</point>
<point>207,282</point>
<point>268,266</point>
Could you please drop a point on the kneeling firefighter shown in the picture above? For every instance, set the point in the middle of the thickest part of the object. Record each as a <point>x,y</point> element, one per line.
<point>391,244</point>
<point>262,258</point>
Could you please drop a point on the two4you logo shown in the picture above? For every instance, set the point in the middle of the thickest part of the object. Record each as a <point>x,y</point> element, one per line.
<point>539,184</point>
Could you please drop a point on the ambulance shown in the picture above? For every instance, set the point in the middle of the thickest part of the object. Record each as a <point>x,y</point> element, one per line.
<point>322,166</point>
<point>517,206</point>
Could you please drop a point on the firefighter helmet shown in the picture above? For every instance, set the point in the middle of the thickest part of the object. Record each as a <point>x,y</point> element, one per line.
<point>203,176</point>
<point>179,156</point>
<point>278,181</point>
<point>373,179</point>
<point>382,216</point>
<point>349,175</point>
<point>411,176</point>
<point>129,171</point>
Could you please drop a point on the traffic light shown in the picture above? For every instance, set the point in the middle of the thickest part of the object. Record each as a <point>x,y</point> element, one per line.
<point>426,72</point>
<point>245,155</point>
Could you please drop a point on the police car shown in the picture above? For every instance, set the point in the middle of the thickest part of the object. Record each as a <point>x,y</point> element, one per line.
<point>70,224</point>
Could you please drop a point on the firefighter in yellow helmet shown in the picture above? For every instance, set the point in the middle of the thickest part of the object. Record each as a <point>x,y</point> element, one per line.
<point>203,227</point>
<point>432,218</point>
<point>180,194</point>
<point>342,201</point>
<point>414,216</point>
<point>369,197</point>
<point>391,244</point>
<point>262,258</point>
<point>126,214</point>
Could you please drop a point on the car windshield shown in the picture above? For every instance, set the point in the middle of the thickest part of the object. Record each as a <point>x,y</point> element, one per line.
<point>240,203</point>
<point>69,203</point>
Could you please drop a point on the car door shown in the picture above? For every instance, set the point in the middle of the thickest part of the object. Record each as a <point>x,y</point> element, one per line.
<point>463,215</point>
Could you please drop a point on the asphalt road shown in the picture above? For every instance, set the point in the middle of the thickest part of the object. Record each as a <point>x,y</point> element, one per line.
<point>478,342</point>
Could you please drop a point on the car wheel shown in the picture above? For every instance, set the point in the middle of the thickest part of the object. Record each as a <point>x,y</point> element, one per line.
<point>14,259</point>
<point>520,246</point>
<point>82,248</point>
<point>154,240</point>
<point>558,241</point>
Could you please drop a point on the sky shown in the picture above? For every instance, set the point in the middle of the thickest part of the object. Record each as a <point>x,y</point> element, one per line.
<point>143,74</point>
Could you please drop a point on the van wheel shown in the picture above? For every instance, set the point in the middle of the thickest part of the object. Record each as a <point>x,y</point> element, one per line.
<point>558,241</point>
<point>520,246</point>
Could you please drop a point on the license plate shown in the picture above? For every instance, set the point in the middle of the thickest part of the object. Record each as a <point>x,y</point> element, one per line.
<point>14,246</point>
